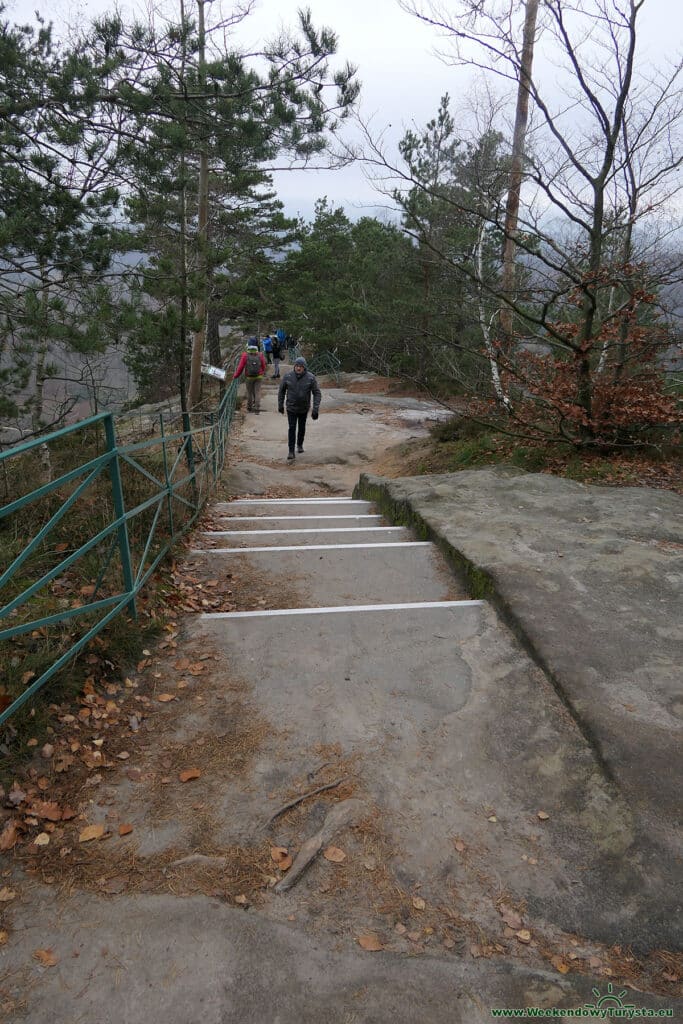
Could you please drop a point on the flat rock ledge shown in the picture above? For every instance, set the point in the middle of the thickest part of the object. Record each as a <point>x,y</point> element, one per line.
<point>590,580</point>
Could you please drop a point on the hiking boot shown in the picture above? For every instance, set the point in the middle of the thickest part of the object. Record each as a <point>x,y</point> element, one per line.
<point>290,456</point>
<point>299,449</point>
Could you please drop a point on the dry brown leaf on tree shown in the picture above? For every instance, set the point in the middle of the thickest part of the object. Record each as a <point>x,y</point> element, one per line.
<point>370,942</point>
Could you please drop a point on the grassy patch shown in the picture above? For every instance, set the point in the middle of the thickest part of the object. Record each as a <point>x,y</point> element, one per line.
<point>461,444</point>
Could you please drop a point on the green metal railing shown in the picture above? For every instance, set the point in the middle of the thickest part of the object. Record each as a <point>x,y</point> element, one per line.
<point>181,468</point>
<point>326,363</point>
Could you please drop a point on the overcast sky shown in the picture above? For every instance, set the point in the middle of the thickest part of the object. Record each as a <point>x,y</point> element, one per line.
<point>402,78</point>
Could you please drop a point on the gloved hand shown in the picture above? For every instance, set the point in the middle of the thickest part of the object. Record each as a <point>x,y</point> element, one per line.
<point>281,411</point>
<point>314,415</point>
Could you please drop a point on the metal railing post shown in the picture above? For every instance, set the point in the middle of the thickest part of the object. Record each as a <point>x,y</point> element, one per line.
<point>169,485</point>
<point>119,512</point>
<point>187,431</point>
<point>212,445</point>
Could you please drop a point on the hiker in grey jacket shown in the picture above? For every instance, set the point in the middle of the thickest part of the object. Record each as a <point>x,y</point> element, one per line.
<point>297,387</point>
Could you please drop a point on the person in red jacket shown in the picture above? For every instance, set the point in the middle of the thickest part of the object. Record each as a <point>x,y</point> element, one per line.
<point>253,365</point>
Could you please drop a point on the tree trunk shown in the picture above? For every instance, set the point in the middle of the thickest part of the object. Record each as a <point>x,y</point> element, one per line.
<point>516,173</point>
<point>202,235</point>
<point>499,391</point>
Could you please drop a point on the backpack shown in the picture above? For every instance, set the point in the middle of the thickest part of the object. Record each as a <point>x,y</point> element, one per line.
<point>253,365</point>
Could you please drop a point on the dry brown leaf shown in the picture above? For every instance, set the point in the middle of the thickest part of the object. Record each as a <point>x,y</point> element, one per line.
<point>7,895</point>
<point>9,835</point>
<point>459,845</point>
<point>419,903</point>
<point>46,809</point>
<point>196,669</point>
<point>524,935</point>
<point>125,829</point>
<point>370,942</point>
<point>242,900</point>
<point>542,816</point>
<point>42,839</point>
<point>4,936</point>
<point>27,677</point>
<point>559,964</point>
<point>61,547</point>
<point>91,832</point>
<point>511,917</point>
<point>164,698</point>
<point>46,957</point>
<point>334,854</point>
<point>189,774</point>
<point>278,853</point>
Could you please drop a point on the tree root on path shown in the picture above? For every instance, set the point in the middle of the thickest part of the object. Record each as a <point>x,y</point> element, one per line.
<point>343,813</point>
<point>304,796</point>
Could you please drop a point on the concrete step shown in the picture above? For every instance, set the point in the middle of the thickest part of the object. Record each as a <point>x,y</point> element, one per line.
<point>292,507</point>
<point>296,536</point>
<point>339,575</point>
<point>291,522</point>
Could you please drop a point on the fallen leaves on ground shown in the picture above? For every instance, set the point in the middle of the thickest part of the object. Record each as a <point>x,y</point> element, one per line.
<point>91,832</point>
<point>511,917</point>
<point>189,774</point>
<point>334,854</point>
<point>280,856</point>
<point>559,964</point>
<point>9,835</point>
<point>370,942</point>
<point>45,957</point>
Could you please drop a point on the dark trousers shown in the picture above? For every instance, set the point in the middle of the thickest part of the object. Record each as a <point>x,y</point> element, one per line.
<point>297,428</point>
